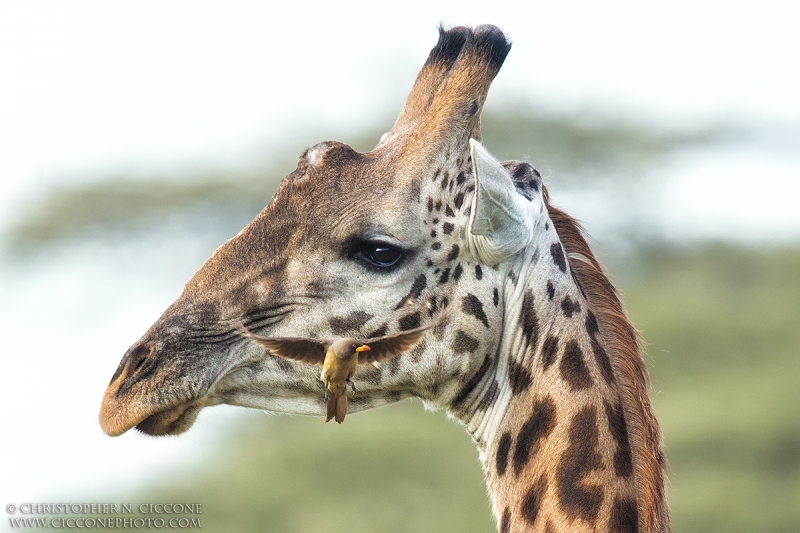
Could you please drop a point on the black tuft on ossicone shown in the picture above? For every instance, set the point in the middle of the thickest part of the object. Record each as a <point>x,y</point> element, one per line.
<point>492,41</point>
<point>450,44</point>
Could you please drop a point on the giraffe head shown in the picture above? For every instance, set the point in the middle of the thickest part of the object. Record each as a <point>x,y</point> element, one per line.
<point>352,245</point>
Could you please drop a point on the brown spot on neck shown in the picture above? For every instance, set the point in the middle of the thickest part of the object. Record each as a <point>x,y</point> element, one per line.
<point>473,306</point>
<point>579,499</point>
<point>532,500</point>
<point>549,351</point>
<point>537,428</point>
<point>501,457</point>
<point>623,463</point>
<point>528,320</point>
<point>519,377</point>
<point>624,516</point>
<point>573,367</point>
<point>570,306</point>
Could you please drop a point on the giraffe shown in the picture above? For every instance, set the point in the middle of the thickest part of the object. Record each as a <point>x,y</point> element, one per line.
<point>536,357</point>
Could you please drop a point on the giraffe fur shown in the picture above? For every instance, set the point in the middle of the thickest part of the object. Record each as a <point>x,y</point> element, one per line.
<point>536,358</point>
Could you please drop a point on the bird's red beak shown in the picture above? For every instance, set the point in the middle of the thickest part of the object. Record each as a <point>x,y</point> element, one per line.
<point>363,348</point>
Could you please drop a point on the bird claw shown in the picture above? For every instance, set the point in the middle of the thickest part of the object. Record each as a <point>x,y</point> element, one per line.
<point>352,386</point>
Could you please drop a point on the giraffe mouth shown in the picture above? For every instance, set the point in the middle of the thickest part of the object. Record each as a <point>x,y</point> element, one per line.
<point>117,416</point>
<point>149,413</point>
<point>172,421</point>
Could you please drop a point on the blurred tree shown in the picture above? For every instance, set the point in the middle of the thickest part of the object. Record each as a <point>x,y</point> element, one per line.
<point>219,203</point>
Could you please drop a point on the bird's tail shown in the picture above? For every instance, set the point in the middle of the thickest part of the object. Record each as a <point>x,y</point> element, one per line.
<point>336,407</point>
<point>341,407</point>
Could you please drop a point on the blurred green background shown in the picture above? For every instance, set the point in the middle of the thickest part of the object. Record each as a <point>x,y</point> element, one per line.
<point>720,320</point>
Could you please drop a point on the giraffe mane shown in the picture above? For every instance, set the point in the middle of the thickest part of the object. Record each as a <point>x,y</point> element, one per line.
<point>624,345</point>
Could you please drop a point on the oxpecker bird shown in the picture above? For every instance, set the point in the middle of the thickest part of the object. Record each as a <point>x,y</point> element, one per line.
<point>340,358</point>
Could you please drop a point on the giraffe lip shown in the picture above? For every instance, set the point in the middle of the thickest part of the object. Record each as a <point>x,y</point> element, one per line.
<point>171,421</point>
<point>119,413</point>
<point>118,417</point>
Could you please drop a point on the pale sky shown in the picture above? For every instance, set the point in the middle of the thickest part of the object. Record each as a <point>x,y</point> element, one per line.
<point>97,85</point>
<point>93,88</point>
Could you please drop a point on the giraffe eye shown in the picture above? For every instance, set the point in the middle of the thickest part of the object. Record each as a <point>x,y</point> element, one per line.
<point>384,255</point>
<point>377,255</point>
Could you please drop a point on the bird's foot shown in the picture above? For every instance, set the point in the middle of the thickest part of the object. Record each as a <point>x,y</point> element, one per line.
<point>352,386</point>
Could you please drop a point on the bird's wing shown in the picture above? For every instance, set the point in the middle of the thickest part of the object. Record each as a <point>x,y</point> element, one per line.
<point>381,348</point>
<point>310,351</point>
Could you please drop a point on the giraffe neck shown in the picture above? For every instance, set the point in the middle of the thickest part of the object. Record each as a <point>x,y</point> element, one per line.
<point>553,442</point>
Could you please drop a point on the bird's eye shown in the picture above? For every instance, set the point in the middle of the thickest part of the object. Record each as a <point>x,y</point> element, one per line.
<point>377,254</point>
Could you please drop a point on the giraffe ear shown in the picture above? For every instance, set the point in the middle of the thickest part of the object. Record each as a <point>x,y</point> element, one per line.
<point>501,221</point>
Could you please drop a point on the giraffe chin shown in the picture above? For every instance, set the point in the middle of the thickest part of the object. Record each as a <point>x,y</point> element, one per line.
<point>173,421</point>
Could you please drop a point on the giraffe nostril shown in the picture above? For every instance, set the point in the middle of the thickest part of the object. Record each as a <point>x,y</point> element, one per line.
<point>133,360</point>
<point>139,356</point>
